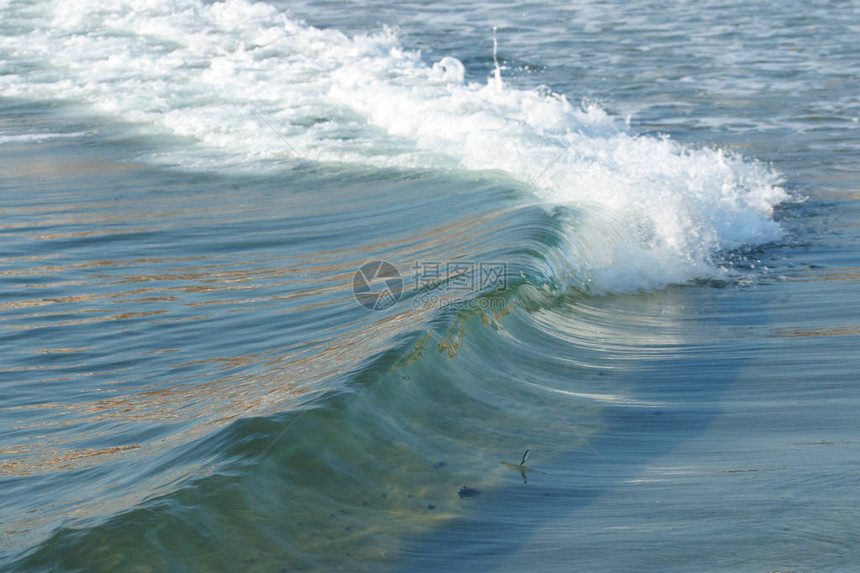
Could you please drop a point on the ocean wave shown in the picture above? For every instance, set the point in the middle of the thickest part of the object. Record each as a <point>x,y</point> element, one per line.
<point>245,87</point>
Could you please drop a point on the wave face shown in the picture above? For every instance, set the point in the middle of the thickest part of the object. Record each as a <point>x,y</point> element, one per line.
<point>248,88</point>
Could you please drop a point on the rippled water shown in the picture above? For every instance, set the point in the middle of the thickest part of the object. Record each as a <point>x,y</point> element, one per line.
<point>665,192</point>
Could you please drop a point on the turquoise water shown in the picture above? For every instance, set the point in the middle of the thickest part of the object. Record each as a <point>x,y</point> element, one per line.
<point>663,197</point>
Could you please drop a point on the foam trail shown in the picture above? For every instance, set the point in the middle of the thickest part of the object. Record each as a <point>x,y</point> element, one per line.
<point>650,211</point>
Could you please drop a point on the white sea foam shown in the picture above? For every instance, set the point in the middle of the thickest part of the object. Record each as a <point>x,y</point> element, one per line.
<point>653,212</point>
<point>24,138</point>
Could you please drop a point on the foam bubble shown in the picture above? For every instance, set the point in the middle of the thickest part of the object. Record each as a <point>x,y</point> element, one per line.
<point>651,211</point>
<point>449,69</point>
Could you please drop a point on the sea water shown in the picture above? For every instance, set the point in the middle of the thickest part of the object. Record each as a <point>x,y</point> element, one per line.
<point>295,285</point>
